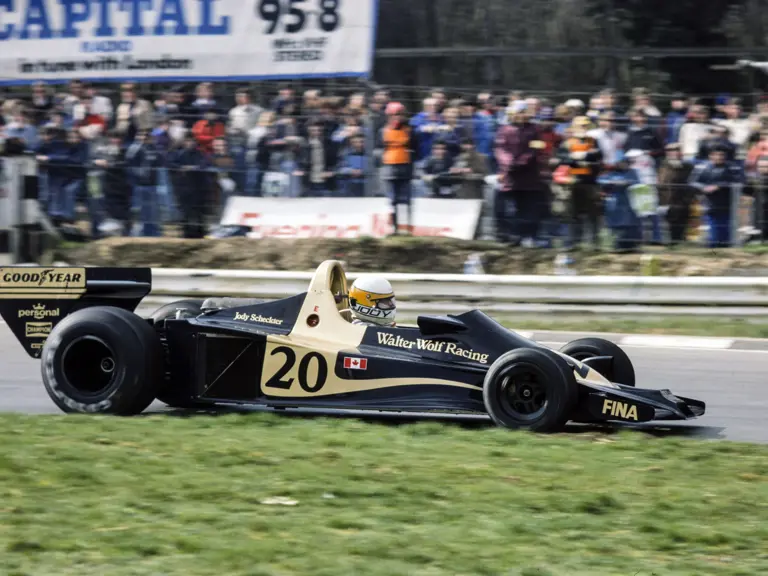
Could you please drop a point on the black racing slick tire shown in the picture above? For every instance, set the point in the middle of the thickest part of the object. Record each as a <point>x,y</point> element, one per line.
<point>169,311</point>
<point>531,389</point>
<point>621,372</point>
<point>102,360</point>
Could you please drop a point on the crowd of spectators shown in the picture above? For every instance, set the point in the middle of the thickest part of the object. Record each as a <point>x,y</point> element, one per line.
<point>644,170</point>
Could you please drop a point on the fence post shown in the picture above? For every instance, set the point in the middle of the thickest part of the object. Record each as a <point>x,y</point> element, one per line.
<point>487,214</point>
<point>369,186</point>
<point>735,215</point>
<point>15,205</point>
<point>5,215</point>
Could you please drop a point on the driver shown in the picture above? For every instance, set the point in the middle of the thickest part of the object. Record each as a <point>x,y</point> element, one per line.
<point>372,301</point>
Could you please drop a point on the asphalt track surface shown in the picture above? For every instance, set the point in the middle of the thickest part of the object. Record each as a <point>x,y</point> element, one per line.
<point>733,383</point>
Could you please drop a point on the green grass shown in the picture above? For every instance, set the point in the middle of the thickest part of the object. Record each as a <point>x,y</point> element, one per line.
<point>97,496</point>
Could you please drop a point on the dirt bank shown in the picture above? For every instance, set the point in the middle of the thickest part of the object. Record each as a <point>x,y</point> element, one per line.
<point>418,255</point>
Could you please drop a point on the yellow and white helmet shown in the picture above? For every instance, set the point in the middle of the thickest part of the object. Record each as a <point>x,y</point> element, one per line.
<point>372,299</point>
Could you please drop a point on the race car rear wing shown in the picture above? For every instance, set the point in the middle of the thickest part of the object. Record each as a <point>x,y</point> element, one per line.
<point>33,300</point>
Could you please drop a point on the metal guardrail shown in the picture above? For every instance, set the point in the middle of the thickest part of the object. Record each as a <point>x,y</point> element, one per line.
<point>679,292</point>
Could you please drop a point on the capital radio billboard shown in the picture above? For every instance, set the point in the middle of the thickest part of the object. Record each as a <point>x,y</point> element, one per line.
<point>184,40</point>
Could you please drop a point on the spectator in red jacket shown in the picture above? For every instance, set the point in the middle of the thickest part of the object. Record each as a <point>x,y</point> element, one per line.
<point>90,125</point>
<point>207,130</point>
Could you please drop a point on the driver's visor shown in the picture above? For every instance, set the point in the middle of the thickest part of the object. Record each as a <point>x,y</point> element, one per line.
<point>385,303</point>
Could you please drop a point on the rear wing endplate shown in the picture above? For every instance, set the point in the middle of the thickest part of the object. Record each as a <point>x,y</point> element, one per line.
<point>33,300</point>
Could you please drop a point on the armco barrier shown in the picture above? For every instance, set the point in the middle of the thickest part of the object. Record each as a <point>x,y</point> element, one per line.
<point>473,289</point>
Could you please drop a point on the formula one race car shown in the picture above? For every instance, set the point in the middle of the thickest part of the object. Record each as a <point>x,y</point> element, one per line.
<point>303,351</point>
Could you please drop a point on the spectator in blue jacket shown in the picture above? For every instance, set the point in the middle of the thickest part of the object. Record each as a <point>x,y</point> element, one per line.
<point>487,117</point>
<point>675,119</point>
<point>75,174</point>
<point>620,217</point>
<point>238,149</point>
<point>641,136</point>
<point>425,126</point>
<point>477,127</point>
<point>341,137</point>
<point>451,132</point>
<point>144,161</point>
<point>438,174</point>
<point>54,156</point>
<point>161,137</point>
<point>205,101</point>
<point>162,141</point>
<point>191,179</point>
<point>354,166</point>
<point>66,158</point>
<point>109,159</point>
<point>50,154</point>
<point>719,138</point>
<point>23,130</point>
<point>58,121</point>
<point>715,179</point>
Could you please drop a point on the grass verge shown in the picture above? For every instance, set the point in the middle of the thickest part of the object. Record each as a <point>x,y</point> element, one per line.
<point>675,325</point>
<point>179,496</point>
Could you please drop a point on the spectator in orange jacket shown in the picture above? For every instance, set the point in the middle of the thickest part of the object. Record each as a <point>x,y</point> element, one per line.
<point>399,155</point>
<point>207,130</point>
<point>582,154</point>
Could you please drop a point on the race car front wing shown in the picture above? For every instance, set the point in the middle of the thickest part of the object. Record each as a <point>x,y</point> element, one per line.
<point>629,404</point>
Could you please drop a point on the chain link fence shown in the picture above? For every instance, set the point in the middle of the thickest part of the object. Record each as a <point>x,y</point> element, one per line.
<point>162,160</point>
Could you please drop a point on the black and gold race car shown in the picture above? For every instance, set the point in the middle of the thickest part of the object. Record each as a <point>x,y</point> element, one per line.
<point>98,356</point>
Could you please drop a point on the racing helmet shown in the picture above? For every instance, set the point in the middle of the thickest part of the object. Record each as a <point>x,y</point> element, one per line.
<point>371,299</point>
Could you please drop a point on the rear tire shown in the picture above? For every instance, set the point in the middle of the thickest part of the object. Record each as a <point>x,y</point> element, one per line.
<point>622,371</point>
<point>531,389</point>
<point>102,360</point>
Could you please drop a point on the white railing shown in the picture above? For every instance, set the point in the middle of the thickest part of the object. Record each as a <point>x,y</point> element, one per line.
<point>489,289</point>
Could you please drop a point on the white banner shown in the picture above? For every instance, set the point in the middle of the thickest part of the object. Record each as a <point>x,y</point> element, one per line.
<point>185,40</point>
<point>291,218</point>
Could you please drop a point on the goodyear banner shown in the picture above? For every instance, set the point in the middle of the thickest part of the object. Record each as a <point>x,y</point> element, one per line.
<point>185,40</point>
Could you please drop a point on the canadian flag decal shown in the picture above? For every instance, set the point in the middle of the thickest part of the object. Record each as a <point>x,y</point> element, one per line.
<point>356,363</point>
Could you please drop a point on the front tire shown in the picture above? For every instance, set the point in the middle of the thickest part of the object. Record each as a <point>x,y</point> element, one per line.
<point>621,372</point>
<point>102,360</point>
<point>531,389</point>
